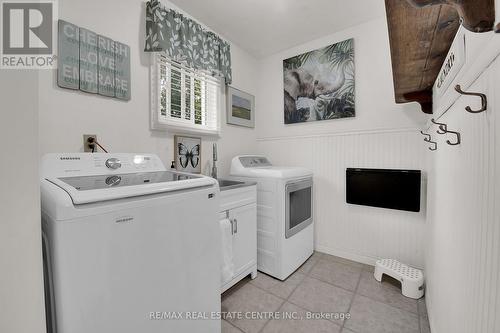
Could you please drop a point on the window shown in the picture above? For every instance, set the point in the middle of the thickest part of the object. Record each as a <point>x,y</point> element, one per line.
<point>184,99</point>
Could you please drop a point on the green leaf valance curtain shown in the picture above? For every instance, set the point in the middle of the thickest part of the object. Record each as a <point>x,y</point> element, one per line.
<point>185,41</point>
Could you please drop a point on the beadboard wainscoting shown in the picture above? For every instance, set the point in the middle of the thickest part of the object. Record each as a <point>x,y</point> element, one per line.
<point>355,232</point>
<point>462,243</point>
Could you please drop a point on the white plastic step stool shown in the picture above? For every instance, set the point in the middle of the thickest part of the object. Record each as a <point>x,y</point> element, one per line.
<point>412,279</point>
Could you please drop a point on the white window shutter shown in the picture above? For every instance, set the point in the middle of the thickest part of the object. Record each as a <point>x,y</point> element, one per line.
<point>183,99</point>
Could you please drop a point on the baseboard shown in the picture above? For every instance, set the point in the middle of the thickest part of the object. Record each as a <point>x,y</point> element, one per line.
<point>247,271</point>
<point>347,255</point>
<point>429,306</point>
<point>367,260</point>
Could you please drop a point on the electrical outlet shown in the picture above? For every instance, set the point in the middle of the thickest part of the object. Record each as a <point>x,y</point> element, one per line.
<point>87,147</point>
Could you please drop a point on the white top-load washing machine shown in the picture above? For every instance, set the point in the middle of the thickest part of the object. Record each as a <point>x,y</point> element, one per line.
<point>285,236</point>
<point>128,246</point>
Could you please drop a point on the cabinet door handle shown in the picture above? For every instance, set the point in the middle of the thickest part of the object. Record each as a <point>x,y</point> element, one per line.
<point>235,221</point>
<point>232,226</point>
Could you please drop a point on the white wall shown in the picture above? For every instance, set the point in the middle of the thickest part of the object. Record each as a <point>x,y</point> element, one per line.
<point>66,115</point>
<point>375,107</point>
<point>382,135</point>
<point>21,284</point>
<point>462,259</point>
<point>497,11</point>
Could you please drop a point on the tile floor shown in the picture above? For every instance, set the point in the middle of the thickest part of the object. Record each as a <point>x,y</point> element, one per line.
<point>324,284</point>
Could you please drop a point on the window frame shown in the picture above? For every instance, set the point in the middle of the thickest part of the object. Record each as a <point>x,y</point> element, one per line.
<point>167,123</point>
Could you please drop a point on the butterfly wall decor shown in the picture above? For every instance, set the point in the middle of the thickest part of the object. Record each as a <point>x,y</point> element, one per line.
<point>187,154</point>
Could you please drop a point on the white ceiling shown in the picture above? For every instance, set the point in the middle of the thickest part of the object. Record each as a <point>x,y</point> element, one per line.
<point>264,27</point>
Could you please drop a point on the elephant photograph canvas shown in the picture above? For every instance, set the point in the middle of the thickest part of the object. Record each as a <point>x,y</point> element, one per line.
<point>319,85</point>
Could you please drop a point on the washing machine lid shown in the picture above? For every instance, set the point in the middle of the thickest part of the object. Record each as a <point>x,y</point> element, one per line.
<point>88,189</point>
<point>89,178</point>
<point>255,166</point>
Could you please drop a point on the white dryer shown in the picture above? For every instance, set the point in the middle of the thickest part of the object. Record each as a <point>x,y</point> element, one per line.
<point>127,245</point>
<point>285,235</point>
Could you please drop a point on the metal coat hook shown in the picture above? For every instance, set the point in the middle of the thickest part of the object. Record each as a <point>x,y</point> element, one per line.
<point>459,140</point>
<point>442,128</point>
<point>435,147</point>
<point>428,136</point>
<point>429,139</point>
<point>484,100</point>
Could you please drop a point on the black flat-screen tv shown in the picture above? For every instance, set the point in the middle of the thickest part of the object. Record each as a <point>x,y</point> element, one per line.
<point>386,188</point>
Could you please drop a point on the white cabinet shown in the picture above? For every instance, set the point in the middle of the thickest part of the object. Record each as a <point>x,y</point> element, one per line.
<point>240,207</point>
<point>244,237</point>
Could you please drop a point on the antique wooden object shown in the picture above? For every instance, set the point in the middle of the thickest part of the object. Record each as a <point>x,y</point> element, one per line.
<point>477,15</point>
<point>421,33</point>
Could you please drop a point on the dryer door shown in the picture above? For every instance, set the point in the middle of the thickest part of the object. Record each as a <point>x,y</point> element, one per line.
<point>298,206</point>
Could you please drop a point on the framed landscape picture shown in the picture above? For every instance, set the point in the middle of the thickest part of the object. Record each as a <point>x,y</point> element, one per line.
<point>319,85</point>
<point>240,108</point>
<point>187,154</point>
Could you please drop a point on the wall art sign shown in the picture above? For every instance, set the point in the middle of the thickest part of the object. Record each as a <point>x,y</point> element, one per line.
<point>319,85</point>
<point>106,65</point>
<point>88,61</point>
<point>454,61</point>
<point>122,71</point>
<point>69,59</point>
<point>92,63</point>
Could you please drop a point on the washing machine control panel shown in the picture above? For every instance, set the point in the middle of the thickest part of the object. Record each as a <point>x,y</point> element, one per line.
<point>254,161</point>
<point>79,164</point>
<point>130,163</point>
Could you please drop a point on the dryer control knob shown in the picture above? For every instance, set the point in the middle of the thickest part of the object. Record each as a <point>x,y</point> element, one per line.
<point>113,163</point>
